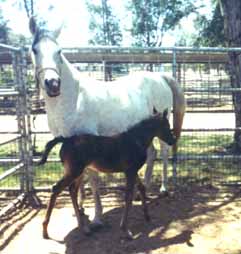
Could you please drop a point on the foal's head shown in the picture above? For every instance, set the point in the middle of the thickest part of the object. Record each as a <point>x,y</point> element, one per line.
<point>164,131</point>
<point>155,126</point>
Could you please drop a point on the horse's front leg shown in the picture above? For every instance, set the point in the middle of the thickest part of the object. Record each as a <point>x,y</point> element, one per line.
<point>57,188</point>
<point>82,219</point>
<point>130,184</point>
<point>94,183</point>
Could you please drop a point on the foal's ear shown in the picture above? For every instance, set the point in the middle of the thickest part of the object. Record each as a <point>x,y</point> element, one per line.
<point>33,25</point>
<point>165,113</point>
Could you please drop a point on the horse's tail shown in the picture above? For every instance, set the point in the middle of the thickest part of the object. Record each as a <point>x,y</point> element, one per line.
<point>179,105</point>
<point>48,147</point>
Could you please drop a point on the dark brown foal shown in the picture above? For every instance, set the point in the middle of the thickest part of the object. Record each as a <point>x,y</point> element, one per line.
<point>126,152</point>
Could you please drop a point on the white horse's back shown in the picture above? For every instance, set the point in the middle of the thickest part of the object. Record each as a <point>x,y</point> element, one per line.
<point>107,108</point>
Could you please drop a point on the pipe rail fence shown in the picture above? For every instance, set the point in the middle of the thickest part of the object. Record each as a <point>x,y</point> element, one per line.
<point>16,171</point>
<point>202,72</point>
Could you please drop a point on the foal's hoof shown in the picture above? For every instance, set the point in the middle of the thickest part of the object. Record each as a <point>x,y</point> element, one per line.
<point>96,226</point>
<point>87,231</point>
<point>126,235</point>
<point>163,193</point>
<point>45,235</point>
<point>147,217</point>
<point>137,197</point>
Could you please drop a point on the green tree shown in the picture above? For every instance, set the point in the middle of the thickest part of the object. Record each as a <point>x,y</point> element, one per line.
<point>4,30</point>
<point>27,5</point>
<point>105,29</point>
<point>211,30</point>
<point>231,10</point>
<point>153,18</point>
<point>104,25</point>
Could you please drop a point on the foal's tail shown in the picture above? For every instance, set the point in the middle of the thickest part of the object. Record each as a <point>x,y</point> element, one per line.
<point>48,147</point>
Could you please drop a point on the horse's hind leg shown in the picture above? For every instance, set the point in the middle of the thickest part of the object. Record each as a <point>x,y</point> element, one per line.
<point>165,151</point>
<point>57,188</point>
<point>81,217</point>
<point>142,191</point>
<point>174,164</point>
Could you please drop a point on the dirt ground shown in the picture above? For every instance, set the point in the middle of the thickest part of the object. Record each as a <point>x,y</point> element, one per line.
<point>197,220</point>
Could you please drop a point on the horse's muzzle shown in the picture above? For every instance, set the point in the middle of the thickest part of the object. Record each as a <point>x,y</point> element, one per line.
<point>52,87</point>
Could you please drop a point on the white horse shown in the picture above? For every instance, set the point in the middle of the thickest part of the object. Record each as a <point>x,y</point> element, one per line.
<point>77,104</point>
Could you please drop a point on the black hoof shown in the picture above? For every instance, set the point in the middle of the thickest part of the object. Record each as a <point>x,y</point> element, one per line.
<point>88,232</point>
<point>164,194</point>
<point>45,235</point>
<point>147,217</point>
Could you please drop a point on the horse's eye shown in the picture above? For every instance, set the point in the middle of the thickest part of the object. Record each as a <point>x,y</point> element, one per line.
<point>59,52</point>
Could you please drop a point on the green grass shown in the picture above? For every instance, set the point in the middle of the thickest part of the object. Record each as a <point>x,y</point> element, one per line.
<point>11,181</point>
<point>8,150</point>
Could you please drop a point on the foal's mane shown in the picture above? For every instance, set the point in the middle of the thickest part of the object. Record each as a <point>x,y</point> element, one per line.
<point>145,126</point>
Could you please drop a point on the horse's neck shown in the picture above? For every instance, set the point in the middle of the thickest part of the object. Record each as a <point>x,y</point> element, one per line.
<point>69,77</point>
<point>61,110</point>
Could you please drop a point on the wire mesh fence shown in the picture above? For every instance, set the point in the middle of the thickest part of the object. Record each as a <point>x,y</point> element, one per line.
<point>204,155</point>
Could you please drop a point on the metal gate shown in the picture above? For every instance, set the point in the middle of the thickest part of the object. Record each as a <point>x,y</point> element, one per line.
<point>16,169</point>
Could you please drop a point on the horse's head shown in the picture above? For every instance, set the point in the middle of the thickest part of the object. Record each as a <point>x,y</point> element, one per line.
<point>47,57</point>
<point>164,132</point>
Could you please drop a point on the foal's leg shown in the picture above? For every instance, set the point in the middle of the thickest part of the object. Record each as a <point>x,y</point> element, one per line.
<point>82,192</point>
<point>142,191</point>
<point>81,217</point>
<point>151,156</point>
<point>94,182</point>
<point>131,179</point>
<point>165,151</point>
<point>57,188</point>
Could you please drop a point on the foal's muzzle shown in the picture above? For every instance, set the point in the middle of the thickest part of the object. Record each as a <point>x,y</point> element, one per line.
<point>52,87</point>
<point>171,140</point>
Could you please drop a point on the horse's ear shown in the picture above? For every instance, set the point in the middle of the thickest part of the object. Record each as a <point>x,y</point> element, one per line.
<point>165,113</point>
<point>33,25</point>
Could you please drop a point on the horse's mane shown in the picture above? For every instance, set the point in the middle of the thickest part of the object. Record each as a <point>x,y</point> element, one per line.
<point>42,33</point>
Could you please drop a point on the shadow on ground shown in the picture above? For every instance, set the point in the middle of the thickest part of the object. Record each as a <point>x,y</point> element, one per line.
<point>179,210</point>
